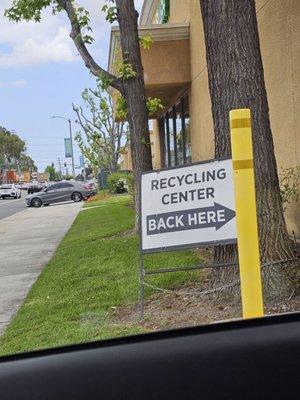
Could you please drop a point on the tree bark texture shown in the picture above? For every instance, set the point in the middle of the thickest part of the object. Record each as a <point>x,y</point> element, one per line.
<point>134,94</point>
<point>236,80</point>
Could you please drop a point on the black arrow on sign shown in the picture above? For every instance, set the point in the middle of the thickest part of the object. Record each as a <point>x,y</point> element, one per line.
<point>228,215</point>
<point>196,218</point>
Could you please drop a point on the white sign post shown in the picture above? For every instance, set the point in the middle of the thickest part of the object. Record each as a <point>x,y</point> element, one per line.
<point>190,206</point>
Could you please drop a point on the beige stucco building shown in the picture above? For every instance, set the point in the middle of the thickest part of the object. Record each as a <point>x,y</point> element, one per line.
<point>175,71</point>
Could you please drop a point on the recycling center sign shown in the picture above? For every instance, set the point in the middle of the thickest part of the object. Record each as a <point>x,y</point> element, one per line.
<point>188,206</point>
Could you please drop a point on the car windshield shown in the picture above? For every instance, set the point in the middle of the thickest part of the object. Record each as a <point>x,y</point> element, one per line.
<point>161,166</point>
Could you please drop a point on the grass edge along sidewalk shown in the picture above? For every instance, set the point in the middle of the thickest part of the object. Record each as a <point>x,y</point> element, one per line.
<point>93,271</point>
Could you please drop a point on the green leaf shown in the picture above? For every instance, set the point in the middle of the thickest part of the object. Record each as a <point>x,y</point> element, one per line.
<point>126,71</point>
<point>154,104</point>
<point>146,42</point>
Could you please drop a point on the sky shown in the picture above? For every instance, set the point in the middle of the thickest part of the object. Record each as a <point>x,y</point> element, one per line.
<point>41,75</point>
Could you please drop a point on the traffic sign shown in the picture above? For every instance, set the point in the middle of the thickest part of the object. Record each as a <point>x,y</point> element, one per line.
<point>189,206</point>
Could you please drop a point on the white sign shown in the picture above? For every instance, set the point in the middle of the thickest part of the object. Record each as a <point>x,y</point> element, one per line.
<point>188,207</point>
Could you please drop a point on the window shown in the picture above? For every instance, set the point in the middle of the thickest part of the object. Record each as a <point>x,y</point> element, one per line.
<point>53,187</point>
<point>65,185</point>
<point>75,252</point>
<point>177,149</point>
<point>163,12</point>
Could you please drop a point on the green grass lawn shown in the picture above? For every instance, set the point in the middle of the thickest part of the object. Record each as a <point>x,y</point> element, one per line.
<point>94,269</point>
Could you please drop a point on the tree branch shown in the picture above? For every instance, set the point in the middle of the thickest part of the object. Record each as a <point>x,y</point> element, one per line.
<point>89,61</point>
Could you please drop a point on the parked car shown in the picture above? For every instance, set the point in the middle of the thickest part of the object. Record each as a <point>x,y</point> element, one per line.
<point>34,187</point>
<point>10,190</point>
<point>59,192</point>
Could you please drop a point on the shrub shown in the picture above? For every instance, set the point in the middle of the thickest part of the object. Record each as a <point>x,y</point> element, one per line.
<point>120,182</point>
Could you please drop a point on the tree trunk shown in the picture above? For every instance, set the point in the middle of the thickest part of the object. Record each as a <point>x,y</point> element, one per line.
<point>134,94</point>
<point>236,80</point>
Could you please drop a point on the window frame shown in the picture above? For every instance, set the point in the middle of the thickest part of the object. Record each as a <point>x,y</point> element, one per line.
<point>171,114</point>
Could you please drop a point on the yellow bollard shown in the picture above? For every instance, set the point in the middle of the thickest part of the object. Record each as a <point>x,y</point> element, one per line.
<point>246,219</point>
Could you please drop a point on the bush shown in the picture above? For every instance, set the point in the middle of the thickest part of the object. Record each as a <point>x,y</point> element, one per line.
<point>120,182</point>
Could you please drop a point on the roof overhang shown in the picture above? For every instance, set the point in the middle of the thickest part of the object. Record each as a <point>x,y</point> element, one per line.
<point>167,69</point>
<point>158,33</point>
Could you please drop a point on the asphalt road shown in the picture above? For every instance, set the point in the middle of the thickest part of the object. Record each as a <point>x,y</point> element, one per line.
<point>10,207</point>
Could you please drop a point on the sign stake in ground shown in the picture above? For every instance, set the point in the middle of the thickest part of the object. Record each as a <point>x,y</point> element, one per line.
<point>246,217</point>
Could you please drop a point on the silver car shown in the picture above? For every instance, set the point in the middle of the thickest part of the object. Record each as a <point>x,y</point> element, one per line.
<point>59,192</point>
<point>10,190</point>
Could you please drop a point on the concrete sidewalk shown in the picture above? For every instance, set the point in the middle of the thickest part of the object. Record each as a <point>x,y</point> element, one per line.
<point>27,242</point>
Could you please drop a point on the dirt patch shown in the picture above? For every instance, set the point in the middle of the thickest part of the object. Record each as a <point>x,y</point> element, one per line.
<point>179,309</point>
<point>188,305</point>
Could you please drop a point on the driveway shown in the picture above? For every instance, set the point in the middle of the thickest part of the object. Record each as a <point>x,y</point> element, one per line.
<point>28,240</point>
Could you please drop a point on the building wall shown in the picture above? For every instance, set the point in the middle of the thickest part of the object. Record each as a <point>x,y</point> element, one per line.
<point>199,100</point>
<point>200,104</point>
<point>179,11</point>
<point>126,161</point>
<point>172,52</point>
<point>126,158</point>
<point>279,29</point>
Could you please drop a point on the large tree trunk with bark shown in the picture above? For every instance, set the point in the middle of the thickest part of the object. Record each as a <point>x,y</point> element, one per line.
<point>236,80</point>
<point>134,94</point>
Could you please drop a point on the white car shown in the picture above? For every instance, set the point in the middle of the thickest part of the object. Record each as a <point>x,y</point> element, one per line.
<point>10,190</point>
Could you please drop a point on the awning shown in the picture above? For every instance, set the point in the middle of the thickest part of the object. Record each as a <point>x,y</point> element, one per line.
<point>166,64</point>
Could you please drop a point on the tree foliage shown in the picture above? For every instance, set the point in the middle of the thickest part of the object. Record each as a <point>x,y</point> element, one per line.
<point>13,152</point>
<point>289,185</point>
<point>26,163</point>
<point>52,172</point>
<point>130,83</point>
<point>11,146</point>
<point>31,10</point>
<point>100,138</point>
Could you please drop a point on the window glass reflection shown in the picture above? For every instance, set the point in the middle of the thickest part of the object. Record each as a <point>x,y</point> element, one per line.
<point>177,134</point>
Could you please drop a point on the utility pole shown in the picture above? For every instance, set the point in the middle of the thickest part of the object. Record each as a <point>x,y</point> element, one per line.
<point>72,151</point>
<point>59,165</point>
<point>71,140</point>
<point>19,170</point>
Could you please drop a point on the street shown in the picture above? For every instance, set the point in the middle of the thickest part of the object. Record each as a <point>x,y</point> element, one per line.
<point>10,207</point>
<point>27,242</point>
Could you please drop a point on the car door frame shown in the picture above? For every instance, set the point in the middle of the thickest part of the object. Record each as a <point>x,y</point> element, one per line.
<point>250,359</point>
<point>69,189</point>
<point>50,194</point>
